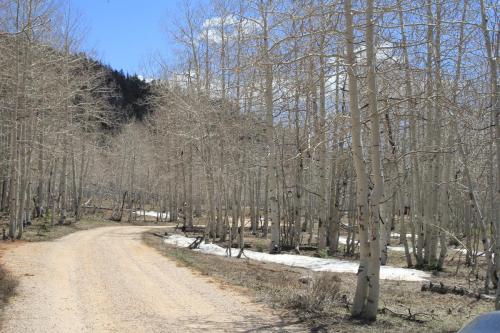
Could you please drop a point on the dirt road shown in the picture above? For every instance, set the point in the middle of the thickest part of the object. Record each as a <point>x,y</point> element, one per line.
<point>107,280</point>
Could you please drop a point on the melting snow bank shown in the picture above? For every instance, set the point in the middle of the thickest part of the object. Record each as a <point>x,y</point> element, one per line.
<point>314,264</point>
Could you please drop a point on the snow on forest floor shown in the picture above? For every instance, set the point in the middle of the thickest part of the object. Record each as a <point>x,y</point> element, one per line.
<point>152,213</point>
<point>343,240</point>
<point>314,264</point>
<point>401,248</point>
<point>397,235</point>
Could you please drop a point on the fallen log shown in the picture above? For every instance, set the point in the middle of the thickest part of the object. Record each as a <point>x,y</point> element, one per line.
<point>441,288</point>
<point>419,317</point>
<point>97,208</point>
<point>160,235</point>
<point>196,243</point>
<point>193,229</point>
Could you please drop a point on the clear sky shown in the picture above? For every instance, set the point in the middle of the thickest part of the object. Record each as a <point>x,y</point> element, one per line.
<point>126,33</point>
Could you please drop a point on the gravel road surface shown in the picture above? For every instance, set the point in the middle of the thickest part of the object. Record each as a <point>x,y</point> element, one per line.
<point>107,280</point>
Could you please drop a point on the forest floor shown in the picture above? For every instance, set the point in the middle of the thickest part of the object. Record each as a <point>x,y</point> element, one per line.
<point>320,301</point>
<point>323,301</point>
<point>108,280</point>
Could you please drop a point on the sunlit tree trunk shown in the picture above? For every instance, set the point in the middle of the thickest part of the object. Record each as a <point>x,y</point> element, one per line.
<point>268,105</point>
<point>495,110</point>
<point>359,164</point>
<point>376,196</point>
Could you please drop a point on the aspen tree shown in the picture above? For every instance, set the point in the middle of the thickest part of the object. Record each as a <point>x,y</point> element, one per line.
<point>371,307</point>
<point>362,213</point>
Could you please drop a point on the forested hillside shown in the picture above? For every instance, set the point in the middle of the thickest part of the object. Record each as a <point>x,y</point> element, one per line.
<point>128,96</point>
<point>125,97</point>
<point>58,96</point>
<point>366,130</point>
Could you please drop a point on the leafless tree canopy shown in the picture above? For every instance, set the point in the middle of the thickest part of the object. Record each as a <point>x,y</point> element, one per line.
<point>312,120</point>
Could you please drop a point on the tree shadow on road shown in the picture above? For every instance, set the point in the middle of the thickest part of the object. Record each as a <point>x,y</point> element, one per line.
<point>247,324</point>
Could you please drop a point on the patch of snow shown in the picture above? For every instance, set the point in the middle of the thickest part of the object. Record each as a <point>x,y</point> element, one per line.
<point>401,248</point>
<point>152,213</point>
<point>397,235</point>
<point>314,264</point>
<point>343,240</point>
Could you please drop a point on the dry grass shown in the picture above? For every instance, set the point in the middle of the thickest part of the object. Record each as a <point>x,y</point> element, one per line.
<point>41,231</point>
<point>8,286</point>
<point>323,302</point>
<point>319,294</point>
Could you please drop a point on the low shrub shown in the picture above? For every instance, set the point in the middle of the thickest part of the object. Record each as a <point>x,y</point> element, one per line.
<point>322,253</point>
<point>260,246</point>
<point>317,296</point>
<point>7,285</point>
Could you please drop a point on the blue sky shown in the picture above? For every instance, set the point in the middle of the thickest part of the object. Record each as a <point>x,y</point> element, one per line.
<point>126,33</point>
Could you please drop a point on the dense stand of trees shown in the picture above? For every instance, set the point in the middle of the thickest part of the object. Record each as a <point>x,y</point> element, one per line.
<point>58,108</point>
<point>49,115</point>
<point>316,118</point>
<point>297,121</point>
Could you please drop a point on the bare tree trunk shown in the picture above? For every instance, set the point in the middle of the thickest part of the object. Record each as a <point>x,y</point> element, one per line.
<point>220,226</point>
<point>359,164</point>
<point>52,192</point>
<point>333,211</point>
<point>415,201</point>
<point>40,200</point>
<point>257,198</point>
<point>74,183</point>
<point>376,196</point>
<point>83,172</point>
<point>189,199</point>
<point>271,156</point>
<point>495,110</point>
<point>430,186</point>
<point>299,175</point>
<point>321,137</point>
<point>132,195</point>
<point>251,197</point>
